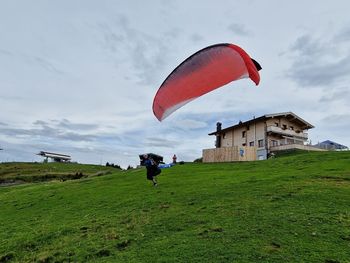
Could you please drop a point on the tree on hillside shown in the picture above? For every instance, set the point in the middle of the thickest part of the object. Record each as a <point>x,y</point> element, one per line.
<point>113,165</point>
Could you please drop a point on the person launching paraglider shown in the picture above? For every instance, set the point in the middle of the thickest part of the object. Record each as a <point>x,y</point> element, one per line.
<point>152,169</point>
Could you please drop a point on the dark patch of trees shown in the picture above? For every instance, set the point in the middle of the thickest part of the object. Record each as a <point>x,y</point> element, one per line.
<point>199,160</point>
<point>113,165</point>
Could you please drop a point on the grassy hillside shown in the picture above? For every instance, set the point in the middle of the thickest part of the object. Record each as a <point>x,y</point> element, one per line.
<point>289,209</point>
<point>15,173</point>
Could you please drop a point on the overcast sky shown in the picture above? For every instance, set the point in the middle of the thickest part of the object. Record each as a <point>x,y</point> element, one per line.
<point>78,77</point>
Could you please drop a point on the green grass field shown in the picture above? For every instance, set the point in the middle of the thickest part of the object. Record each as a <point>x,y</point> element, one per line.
<point>293,208</point>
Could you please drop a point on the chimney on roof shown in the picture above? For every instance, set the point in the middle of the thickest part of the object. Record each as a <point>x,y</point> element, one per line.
<point>218,137</point>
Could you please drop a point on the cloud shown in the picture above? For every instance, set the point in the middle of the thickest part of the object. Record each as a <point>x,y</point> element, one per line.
<point>196,37</point>
<point>5,52</point>
<point>83,85</point>
<point>317,62</point>
<point>238,29</point>
<point>66,124</point>
<point>46,132</point>
<point>10,98</point>
<point>145,54</point>
<point>47,65</point>
<point>338,121</point>
<point>91,143</point>
<point>343,35</point>
<point>189,124</point>
<point>317,74</point>
<point>336,95</point>
<point>333,127</point>
<point>160,142</point>
<point>307,47</point>
<point>51,130</point>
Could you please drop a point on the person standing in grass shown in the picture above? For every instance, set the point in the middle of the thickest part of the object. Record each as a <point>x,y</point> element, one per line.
<point>152,169</point>
<point>174,159</point>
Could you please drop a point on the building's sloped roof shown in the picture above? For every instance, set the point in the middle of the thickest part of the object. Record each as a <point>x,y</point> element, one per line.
<point>54,155</point>
<point>331,145</point>
<point>289,115</point>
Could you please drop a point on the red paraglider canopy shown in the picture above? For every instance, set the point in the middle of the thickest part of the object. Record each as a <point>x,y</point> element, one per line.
<point>204,71</point>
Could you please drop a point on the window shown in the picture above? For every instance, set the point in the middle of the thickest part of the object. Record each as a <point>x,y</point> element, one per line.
<point>276,124</point>
<point>261,143</point>
<point>248,127</point>
<point>244,144</point>
<point>243,134</point>
<point>251,143</point>
<point>274,143</point>
<point>224,135</point>
<point>291,128</point>
<point>284,127</point>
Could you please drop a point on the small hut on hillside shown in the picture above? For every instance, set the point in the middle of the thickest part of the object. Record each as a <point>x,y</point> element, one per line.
<point>56,157</point>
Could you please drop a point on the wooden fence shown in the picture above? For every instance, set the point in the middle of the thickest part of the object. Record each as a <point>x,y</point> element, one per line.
<point>229,154</point>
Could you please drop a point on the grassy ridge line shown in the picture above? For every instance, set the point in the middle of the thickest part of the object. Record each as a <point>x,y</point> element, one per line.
<point>38,172</point>
<point>290,209</point>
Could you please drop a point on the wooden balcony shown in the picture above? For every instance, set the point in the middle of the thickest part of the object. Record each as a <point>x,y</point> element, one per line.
<point>287,132</point>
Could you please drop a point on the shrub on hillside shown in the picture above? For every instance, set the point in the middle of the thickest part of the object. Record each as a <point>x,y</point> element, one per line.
<point>198,160</point>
